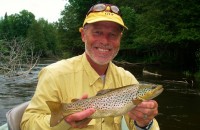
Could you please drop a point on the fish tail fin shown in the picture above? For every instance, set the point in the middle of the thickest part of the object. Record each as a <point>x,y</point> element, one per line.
<point>56,109</point>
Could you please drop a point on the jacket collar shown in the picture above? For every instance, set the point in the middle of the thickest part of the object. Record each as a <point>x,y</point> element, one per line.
<point>93,75</point>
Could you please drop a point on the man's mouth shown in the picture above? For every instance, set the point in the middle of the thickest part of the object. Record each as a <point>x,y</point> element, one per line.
<point>102,49</point>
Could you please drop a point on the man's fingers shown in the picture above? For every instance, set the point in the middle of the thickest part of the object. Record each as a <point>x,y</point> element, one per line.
<point>144,112</point>
<point>80,119</point>
<point>80,115</point>
<point>151,104</point>
<point>84,96</point>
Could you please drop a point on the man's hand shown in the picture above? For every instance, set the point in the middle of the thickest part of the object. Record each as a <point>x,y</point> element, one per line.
<point>79,119</point>
<point>144,112</point>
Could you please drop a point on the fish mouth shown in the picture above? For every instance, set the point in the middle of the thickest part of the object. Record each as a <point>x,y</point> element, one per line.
<point>159,87</point>
<point>158,90</point>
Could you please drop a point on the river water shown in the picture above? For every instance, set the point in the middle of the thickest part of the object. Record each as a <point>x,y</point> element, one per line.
<point>179,104</point>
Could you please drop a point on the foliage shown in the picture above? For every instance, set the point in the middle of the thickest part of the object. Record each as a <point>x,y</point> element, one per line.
<point>16,24</point>
<point>37,37</point>
<point>197,77</point>
<point>129,18</point>
<point>197,54</point>
<point>43,36</point>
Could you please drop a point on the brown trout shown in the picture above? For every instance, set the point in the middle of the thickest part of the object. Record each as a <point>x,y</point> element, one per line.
<point>110,102</point>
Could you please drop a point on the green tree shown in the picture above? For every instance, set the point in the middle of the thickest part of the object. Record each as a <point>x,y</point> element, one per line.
<point>50,36</point>
<point>21,22</point>
<point>37,37</point>
<point>44,37</point>
<point>5,30</point>
<point>129,18</point>
<point>16,25</point>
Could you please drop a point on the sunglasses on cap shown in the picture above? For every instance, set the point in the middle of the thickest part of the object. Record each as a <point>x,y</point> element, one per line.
<point>102,7</point>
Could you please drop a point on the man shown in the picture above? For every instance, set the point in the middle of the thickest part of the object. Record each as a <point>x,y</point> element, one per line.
<point>85,75</point>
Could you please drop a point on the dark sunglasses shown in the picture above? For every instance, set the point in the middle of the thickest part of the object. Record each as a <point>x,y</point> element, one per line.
<point>102,7</point>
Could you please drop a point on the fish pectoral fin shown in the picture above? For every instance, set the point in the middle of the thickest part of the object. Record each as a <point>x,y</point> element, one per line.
<point>102,92</point>
<point>75,99</point>
<point>137,101</point>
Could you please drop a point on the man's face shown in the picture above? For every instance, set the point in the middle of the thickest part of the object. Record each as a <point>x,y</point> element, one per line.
<point>102,41</point>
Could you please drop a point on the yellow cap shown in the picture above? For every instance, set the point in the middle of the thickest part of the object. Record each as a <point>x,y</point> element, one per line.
<point>103,16</point>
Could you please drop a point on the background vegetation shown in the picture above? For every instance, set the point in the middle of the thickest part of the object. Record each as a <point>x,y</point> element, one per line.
<point>164,32</point>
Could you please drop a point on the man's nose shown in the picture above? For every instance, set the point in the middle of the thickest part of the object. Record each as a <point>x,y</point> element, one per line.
<point>105,39</point>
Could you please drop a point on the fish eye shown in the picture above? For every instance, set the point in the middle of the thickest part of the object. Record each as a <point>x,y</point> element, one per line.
<point>153,87</point>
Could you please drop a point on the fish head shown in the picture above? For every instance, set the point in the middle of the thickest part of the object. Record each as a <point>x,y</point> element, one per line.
<point>149,91</point>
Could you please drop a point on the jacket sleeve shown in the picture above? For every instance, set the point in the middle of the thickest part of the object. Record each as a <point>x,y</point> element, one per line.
<point>37,114</point>
<point>131,126</point>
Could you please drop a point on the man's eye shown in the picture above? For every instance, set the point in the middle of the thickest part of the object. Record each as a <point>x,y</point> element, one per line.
<point>113,35</point>
<point>97,33</point>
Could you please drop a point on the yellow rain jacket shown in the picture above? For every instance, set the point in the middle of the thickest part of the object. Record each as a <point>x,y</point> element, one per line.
<point>69,79</point>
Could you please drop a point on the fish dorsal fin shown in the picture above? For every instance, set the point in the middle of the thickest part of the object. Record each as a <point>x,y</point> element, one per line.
<point>102,92</point>
<point>75,99</point>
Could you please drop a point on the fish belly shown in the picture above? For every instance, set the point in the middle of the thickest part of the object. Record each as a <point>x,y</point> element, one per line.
<point>113,112</point>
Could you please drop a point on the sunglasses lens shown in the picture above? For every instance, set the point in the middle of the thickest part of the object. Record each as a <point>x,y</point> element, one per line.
<point>102,7</point>
<point>99,7</point>
<point>115,9</point>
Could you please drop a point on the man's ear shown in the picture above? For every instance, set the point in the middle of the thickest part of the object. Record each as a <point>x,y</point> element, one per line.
<point>82,34</point>
<point>121,35</point>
